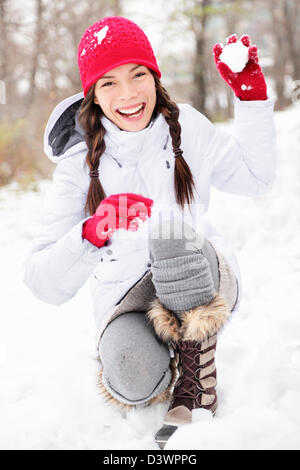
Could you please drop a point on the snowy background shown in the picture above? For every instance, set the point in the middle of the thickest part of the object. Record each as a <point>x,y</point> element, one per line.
<point>48,365</point>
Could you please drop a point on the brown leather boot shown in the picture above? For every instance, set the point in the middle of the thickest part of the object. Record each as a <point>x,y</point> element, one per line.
<point>196,385</point>
<point>195,344</point>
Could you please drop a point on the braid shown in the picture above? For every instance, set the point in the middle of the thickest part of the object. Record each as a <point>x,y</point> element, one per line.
<point>183,178</point>
<point>89,118</point>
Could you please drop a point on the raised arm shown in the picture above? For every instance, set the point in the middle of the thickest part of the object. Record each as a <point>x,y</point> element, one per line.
<point>244,163</point>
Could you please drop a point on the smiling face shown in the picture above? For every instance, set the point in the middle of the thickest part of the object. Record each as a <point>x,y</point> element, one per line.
<point>127,96</point>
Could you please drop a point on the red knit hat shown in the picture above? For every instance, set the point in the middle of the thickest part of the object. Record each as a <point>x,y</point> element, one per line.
<point>111,42</point>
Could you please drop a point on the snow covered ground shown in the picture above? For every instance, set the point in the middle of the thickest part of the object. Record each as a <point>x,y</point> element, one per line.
<point>48,366</point>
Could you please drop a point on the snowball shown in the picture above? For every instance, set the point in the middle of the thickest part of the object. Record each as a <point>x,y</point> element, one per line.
<point>101,34</point>
<point>235,55</point>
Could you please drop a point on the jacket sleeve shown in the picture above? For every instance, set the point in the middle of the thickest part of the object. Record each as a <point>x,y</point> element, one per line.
<point>60,261</point>
<point>244,163</point>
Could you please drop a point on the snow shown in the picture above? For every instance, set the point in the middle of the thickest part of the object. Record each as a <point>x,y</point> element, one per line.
<point>48,381</point>
<point>101,34</point>
<point>235,55</point>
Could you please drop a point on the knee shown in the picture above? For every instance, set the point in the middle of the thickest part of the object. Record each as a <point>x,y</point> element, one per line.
<point>134,361</point>
<point>133,374</point>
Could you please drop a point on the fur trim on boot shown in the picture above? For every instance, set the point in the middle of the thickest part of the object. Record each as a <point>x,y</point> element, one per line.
<point>164,322</point>
<point>197,324</point>
<point>204,321</point>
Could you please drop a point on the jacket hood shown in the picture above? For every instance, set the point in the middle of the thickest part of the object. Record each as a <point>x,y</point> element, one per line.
<point>64,136</point>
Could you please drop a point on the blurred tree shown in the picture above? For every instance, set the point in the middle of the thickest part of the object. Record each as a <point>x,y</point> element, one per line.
<point>40,72</point>
<point>64,23</point>
<point>4,40</point>
<point>279,29</point>
<point>38,40</point>
<point>280,51</point>
<point>291,14</point>
<point>116,6</point>
<point>199,15</point>
<point>10,54</point>
<point>207,89</point>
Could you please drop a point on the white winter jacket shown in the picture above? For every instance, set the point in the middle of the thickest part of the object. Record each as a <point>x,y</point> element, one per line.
<point>60,261</point>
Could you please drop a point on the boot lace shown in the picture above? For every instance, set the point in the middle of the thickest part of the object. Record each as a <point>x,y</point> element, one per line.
<point>188,384</point>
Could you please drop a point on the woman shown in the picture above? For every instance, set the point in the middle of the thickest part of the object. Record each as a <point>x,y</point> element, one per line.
<point>134,170</point>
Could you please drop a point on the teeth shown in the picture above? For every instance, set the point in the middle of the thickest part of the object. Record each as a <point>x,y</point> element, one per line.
<point>131,111</point>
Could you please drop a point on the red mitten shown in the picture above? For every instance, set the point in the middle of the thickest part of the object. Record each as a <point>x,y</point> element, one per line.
<point>125,210</point>
<point>249,84</point>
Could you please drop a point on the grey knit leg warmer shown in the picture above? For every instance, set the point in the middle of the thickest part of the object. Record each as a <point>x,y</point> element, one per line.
<point>182,275</point>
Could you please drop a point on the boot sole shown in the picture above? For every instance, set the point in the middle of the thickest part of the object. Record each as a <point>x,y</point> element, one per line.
<point>163,434</point>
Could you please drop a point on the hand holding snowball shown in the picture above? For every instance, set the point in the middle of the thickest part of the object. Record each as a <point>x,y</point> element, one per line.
<point>118,211</point>
<point>238,65</point>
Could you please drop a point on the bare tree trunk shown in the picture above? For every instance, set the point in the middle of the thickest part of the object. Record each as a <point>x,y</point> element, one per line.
<point>198,24</point>
<point>199,98</point>
<point>3,42</point>
<point>280,57</point>
<point>291,12</point>
<point>36,53</point>
<point>116,7</point>
<point>3,54</point>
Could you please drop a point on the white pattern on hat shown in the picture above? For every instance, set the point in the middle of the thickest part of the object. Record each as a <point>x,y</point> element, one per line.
<point>101,34</point>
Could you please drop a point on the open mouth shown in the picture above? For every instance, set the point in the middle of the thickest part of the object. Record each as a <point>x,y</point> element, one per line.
<point>133,113</point>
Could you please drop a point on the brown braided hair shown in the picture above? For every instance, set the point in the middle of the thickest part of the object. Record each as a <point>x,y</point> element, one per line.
<point>90,119</point>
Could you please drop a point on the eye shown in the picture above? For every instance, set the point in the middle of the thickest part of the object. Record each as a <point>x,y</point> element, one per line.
<point>140,73</point>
